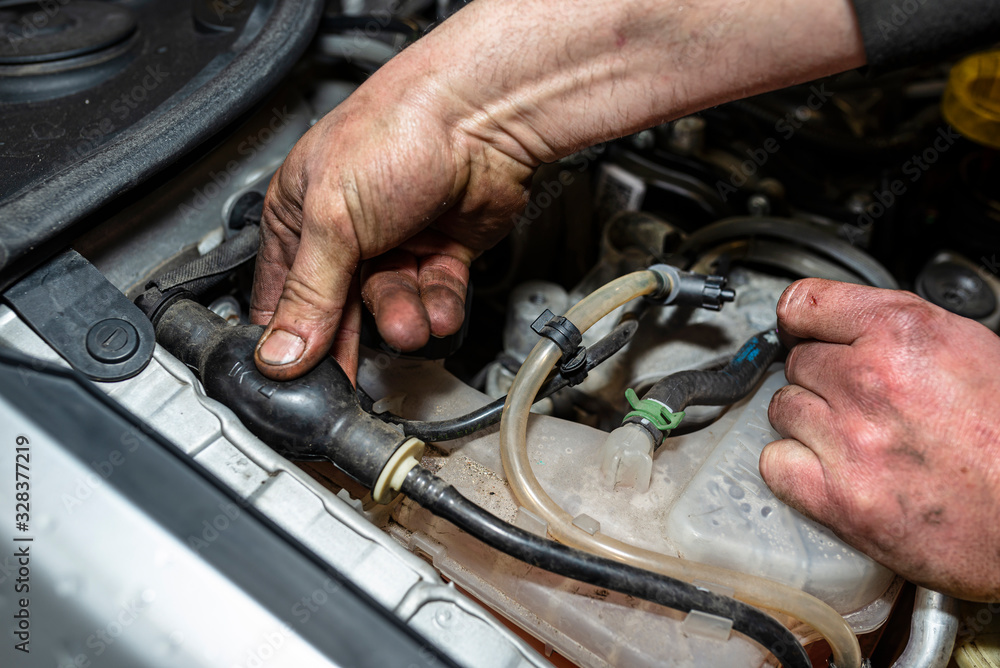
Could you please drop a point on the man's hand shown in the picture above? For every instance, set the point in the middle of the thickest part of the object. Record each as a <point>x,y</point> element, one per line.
<point>891,429</point>
<point>424,166</point>
<point>363,184</point>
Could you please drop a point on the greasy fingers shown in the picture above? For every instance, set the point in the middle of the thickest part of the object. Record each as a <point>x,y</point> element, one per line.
<point>797,413</point>
<point>363,185</point>
<point>817,366</point>
<point>392,294</point>
<point>281,222</point>
<point>413,298</point>
<point>418,289</point>
<point>815,308</point>
<point>345,341</point>
<point>795,475</point>
<point>443,282</point>
<point>311,302</point>
<point>890,432</point>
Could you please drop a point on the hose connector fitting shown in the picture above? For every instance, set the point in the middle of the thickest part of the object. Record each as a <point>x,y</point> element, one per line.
<point>627,455</point>
<point>685,288</point>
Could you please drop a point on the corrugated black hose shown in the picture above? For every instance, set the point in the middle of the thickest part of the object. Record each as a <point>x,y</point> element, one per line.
<point>445,501</point>
<point>199,276</point>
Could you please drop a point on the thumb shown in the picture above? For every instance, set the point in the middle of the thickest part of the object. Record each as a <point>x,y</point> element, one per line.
<point>311,305</point>
<point>795,475</point>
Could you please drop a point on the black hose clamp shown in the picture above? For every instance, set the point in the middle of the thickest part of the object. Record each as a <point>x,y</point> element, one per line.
<point>563,333</point>
<point>155,303</point>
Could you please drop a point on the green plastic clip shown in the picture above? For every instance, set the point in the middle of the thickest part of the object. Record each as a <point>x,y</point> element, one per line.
<point>653,411</point>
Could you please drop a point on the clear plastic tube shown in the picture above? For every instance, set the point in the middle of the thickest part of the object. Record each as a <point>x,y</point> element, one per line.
<point>751,589</point>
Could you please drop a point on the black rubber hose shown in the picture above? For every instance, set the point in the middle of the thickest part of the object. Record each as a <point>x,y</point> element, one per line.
<point>793,231</point>
<point>199,276</point>
<point>723,387</point>
<point>313,417</point>
<point>481,418</point>
<point>214,267</point>
<point>445,501</point>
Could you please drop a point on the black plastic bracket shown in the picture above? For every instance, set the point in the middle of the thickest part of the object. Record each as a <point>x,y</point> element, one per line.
<point>561,332</point>
<point>575,368</point>
<point>85,318</point>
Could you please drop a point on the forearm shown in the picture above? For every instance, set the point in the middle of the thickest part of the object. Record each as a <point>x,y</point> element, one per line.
<point>539,79</point>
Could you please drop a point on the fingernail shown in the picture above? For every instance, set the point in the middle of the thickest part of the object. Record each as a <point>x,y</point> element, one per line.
<point>281,347</point>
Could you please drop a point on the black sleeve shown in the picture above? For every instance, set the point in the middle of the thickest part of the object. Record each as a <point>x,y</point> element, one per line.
<point>898,33</point>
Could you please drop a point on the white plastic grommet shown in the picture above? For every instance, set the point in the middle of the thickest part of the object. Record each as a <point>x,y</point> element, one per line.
<point>394,472</point>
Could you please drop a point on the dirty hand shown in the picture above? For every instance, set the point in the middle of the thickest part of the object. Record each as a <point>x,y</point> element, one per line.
<point>891,431</point>
<point>426,164</point>
<point>398,177</point>
<point>360,186</point>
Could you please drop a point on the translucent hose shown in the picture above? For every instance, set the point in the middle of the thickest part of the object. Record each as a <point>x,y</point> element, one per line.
<point>514,452</point>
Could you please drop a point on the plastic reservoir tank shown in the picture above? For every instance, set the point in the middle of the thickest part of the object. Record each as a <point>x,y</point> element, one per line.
<point>706,502</point>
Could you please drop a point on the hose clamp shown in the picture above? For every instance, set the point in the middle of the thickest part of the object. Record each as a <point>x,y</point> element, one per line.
<point>650,414</point>
<point>154,303</point>
<point>560,331</point>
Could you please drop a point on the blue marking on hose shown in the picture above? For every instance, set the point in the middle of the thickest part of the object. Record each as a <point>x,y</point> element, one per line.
<point>748,353</point>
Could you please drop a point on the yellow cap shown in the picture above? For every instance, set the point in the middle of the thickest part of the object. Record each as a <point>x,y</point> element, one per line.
<point>972,99</point>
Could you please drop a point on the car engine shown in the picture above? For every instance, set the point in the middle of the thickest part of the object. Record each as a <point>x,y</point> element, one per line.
<point>191,513</point>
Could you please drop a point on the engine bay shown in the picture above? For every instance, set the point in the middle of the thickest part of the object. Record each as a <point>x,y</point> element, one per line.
<point>854,178</point>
